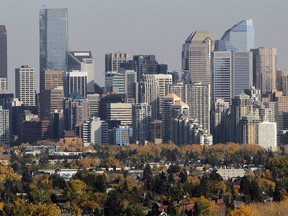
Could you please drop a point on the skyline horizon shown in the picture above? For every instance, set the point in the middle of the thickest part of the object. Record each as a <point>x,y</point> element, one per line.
<point>81,42</point>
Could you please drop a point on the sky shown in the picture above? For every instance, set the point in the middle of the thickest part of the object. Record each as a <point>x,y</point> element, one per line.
<point>139,27</point>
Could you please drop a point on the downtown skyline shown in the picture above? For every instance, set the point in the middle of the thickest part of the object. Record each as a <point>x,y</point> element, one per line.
<point>157,28</point>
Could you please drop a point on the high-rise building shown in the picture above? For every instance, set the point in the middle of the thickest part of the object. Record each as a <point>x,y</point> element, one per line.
<point>239,37</point>
<point>248,126</point>
<point>53,89</point>
<point>53,25</point>
<point>3,58</point>
<point>267,135</point>
<point>153,90</point>
<point>145,64</point>
<point>99,131</point>
<point>219,121</point>
<point>198,99</point>
<point>4,127</point>
<point>131,86</point>
<point>94,103</point>
<point>113,61</point>
<point>121,112</point>
<point>196,56</point>
<point>141,122</point>
<point>264,69</point>
<point>232,73</point>
<point>222,76</point>
<point>115,82</point>
<point>25,85</point>
<point>241,105</point>
<point>95,131</point>
<point>168,100</point>
<point>53,79</point>
<point>122,135</point>
<point>82,61</point>
<point>76,112</point>
<point>75,82</point>
<point>282,81</point>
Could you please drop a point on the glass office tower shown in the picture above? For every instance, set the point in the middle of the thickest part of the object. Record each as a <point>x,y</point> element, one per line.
<point>53,40</point>
<point>241,35</point>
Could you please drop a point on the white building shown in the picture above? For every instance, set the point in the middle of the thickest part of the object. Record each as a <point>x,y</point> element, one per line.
<point>82,61</point>
<point>25,85</point>
<point>267,135</point>
<point>154,90</point>
<point>75,82</point>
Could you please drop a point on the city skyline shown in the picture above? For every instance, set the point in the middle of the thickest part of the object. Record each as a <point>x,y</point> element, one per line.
<point>158,28</point>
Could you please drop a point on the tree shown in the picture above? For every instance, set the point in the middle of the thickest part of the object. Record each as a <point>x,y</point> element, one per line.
<point>243,210</point>
<point>202,206</point>
<point>135,209</point>
<point>147,177</point>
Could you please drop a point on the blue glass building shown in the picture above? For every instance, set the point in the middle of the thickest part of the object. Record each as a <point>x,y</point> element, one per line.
<point>232,61</point>
<point>240,36</point>
<point>53,25</point>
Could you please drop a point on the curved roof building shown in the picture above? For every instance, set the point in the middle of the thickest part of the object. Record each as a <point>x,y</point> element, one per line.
<point>240,36</point>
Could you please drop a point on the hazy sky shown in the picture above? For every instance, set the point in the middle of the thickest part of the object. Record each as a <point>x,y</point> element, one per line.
<point>139,27</point>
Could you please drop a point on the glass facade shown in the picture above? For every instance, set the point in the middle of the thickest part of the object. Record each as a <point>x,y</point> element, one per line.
<point>53,25</point>
<point>241,35</point>
<point>222,75</point>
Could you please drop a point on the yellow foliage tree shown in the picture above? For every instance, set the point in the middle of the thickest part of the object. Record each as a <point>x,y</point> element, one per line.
<point>243,210</point>
<point>7,172</point>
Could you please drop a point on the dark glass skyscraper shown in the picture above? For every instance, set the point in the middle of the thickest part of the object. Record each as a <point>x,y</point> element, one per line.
<point>3,52</point>
<point>53,40</point>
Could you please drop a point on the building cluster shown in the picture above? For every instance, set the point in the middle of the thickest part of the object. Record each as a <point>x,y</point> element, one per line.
<point>227,91</point>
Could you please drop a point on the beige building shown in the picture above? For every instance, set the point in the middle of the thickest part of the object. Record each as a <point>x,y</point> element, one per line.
<point>196,56</point>
<point>249,128</point>
<point>264,69</point>
<point>154,89</point>
<point>53,79</point>
<point>121,112</point>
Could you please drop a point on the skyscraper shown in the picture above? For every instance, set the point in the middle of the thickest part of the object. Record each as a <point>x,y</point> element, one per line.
<point>241,105</point>
<point>233,60</point>
<point>141,121</point>
<point>75,82</point>
<point>264,69</point>
<point>153,91</point>
<point>131,86</point>
<point>167,101</point>
<point>115,82</point>
<point>113,61</point>
<point>82,61</point>
<point>25,85</point>
<point>3,57</point>
<point>222,76</point>
<point>53,40</point>
<point>242,71</point>
<point>76,112</point>
<point>4,126</point>
<point>239,36</point>
<point>198,99</point>
<point>196,56</point>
